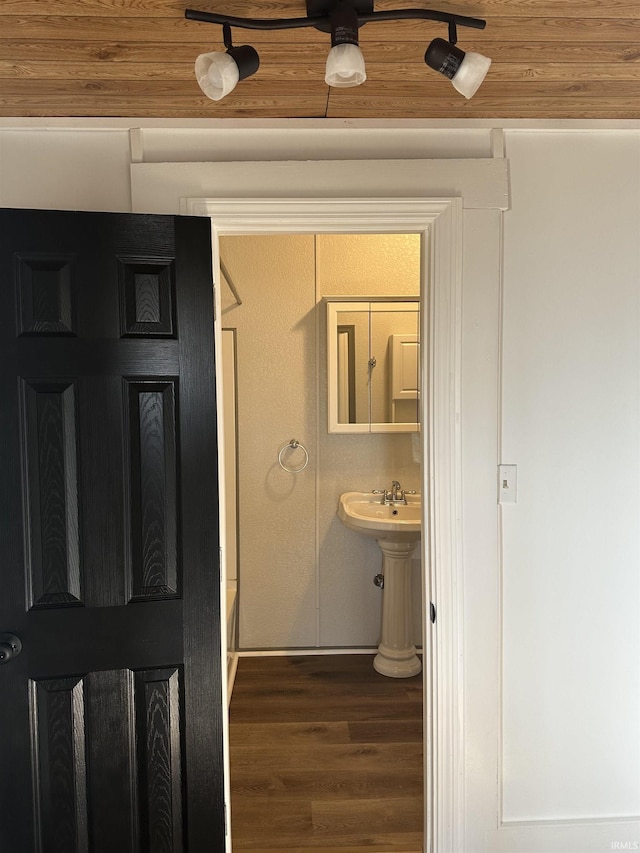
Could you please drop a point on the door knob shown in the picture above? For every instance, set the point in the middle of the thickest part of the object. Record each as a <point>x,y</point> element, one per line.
<point>10,647</point>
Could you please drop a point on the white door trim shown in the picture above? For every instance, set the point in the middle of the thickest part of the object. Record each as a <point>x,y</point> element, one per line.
<point>439,220</point>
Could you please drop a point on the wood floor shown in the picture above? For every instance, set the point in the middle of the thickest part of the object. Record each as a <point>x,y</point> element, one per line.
<point>325,754</point>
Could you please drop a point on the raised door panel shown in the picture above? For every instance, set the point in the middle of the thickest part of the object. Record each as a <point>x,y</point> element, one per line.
<point>153,472</point>
<point>45,304</point>
<point>147,297</point>
<point>59,732</point>
<point>51,522</point>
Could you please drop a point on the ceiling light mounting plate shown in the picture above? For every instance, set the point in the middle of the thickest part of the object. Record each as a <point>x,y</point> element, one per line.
<point>324,8</point>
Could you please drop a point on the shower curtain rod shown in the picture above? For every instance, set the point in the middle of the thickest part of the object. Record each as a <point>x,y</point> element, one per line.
<point>229,280</point>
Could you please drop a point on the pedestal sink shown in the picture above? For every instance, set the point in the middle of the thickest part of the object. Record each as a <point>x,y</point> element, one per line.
<point>396,526</point>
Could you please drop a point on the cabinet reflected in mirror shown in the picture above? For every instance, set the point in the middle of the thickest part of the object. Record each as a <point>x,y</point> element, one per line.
<point>373,348</point>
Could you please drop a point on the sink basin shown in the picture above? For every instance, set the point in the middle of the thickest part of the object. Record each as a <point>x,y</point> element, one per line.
<point>365,513</point>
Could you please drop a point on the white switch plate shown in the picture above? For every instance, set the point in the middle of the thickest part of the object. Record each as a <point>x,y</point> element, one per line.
<point>507,484</point>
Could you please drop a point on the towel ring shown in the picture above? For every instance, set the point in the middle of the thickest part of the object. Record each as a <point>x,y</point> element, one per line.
<point>293,444</point>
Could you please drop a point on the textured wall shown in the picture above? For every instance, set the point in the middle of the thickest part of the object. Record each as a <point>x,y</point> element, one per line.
<point>306,580</point>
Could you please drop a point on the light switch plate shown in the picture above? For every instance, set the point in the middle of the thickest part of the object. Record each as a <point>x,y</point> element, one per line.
<point>507,484</point>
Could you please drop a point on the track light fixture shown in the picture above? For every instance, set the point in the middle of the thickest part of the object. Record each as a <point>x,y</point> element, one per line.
<point>345,63</point>
<point>218,73</point>
<point>465,70</point>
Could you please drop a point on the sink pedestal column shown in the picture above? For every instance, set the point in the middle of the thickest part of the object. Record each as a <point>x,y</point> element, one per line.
<point>396,653</point>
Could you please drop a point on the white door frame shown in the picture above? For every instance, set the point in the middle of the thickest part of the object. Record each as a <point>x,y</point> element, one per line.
<point>439,221</point>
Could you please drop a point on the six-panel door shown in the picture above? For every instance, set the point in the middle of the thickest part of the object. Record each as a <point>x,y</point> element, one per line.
<point>110,717</point>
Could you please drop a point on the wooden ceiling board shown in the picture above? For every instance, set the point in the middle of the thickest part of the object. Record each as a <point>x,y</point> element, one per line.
<point>128,58</point>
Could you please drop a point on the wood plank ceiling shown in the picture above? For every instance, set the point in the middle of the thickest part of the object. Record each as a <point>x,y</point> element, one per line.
<point>134,58</point>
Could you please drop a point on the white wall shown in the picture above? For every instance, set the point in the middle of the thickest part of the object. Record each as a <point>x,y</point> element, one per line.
<point>571,422</point>
<point>65,169</point>
<point>551,651</point>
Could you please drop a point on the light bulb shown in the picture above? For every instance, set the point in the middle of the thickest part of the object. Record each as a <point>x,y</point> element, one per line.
<point>217,74</point>
<point>345,66</point>
<point>471,73</point>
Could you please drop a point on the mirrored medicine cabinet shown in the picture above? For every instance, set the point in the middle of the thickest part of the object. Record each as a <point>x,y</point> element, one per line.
<point>373,364</point>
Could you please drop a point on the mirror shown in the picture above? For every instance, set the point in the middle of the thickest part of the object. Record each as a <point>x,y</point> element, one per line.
<point>373,358</point>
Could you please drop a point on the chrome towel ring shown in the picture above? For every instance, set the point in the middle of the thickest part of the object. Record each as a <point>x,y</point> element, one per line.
<point>294,444</point>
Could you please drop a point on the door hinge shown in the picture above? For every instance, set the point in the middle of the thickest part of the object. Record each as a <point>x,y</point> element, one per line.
<point>432,608</point>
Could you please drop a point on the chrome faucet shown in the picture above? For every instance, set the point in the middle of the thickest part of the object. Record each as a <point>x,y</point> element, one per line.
<point>396,495</point>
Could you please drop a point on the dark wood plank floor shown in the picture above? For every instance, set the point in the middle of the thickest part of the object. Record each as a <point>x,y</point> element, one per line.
<point>325,754</point>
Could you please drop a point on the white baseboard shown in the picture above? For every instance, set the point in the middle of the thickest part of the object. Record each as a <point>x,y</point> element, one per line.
<point>263,653</point>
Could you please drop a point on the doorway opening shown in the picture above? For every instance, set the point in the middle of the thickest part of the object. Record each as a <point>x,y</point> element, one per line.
<point>439,223</point>
<point>303,580</point>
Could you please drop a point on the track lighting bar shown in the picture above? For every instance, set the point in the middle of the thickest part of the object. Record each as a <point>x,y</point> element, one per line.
<point>218,73</point>
<point>320,21</point>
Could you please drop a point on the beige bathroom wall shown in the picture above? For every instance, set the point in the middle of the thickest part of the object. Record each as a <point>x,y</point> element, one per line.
<point>304,579</point>
<point>358,265</point>
<point>276,351</point>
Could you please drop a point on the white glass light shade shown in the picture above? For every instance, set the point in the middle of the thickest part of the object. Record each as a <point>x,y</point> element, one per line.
<point>345,66</point>
<point>217,74</point>
<point>471,73</point>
